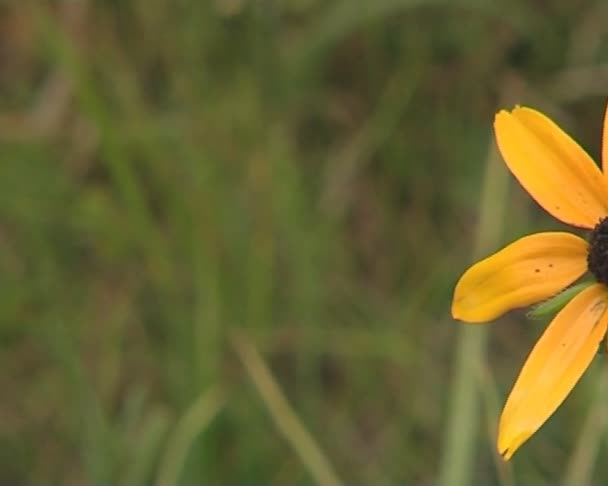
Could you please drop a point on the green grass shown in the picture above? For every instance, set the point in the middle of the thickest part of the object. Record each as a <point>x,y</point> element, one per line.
<point>230,230</point>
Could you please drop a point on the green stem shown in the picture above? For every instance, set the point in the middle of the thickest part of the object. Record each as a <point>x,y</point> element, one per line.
<point>463,414</point>
<point>579,471</point>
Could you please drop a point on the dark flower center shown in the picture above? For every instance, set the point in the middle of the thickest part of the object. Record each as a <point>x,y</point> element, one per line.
<point>597,256</point>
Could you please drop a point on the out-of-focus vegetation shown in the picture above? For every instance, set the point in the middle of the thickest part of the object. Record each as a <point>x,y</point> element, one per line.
<point>230,229</point>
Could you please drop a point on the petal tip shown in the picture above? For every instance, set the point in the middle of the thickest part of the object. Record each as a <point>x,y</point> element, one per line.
<point>501,115</point>
<point>509,112</point>
<point>462,312</point>
<point>506,454</point>
<point>508,444</point>
<point>456,313</point>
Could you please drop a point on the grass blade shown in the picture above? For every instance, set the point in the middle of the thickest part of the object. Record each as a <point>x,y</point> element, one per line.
<point>284,416</point>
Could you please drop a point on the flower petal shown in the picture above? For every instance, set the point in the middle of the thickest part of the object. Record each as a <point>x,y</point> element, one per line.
<point>527,271</point>
<point>605,144</point>
<point>552,167</point>
<point>554,366</point>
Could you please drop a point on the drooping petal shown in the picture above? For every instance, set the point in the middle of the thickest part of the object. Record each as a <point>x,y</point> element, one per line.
<point>556,363</point>
<point>525,272</point>
<point>552,167</point>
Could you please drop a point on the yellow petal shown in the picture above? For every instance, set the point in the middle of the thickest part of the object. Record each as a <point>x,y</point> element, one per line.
<point>552,167</point>
<point>605,144</point>
<point>525,272</point>
<point>554,366</point>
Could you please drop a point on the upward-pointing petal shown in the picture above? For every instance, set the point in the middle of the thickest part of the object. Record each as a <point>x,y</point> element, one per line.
<point>605,144</point>
<point>554,366</point>
<point>552,167</point>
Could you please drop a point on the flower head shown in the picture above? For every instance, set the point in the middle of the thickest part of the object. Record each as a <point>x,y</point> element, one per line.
<point>567,183</point>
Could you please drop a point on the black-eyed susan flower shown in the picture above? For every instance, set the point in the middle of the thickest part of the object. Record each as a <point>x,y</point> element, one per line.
<point>566,182</point>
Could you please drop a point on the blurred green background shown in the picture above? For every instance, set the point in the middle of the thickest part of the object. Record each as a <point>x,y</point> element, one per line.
<point>230,230</point>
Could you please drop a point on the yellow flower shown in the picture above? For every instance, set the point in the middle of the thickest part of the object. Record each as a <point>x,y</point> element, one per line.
<point>566,182</point>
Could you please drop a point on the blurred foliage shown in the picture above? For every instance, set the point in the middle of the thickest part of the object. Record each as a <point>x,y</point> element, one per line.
<point>303,174</point>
